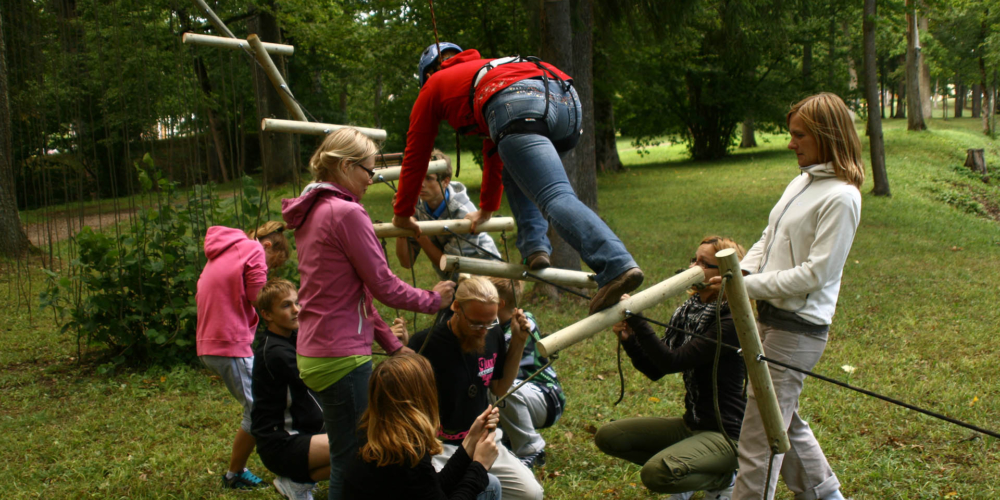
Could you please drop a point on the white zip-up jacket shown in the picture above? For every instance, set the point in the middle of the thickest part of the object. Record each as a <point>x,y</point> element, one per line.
<point>798,262</point>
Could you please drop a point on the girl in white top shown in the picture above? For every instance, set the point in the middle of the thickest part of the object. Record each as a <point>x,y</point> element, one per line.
<point>795,271</point>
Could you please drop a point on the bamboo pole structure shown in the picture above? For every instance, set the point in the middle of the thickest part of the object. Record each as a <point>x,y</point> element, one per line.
<point>313,128</point>
<point>436,227</point>
<point>392,173</point>
<point>757,370</point>
<point>214,19</point>
<point>234,43</point>
<point>275,76</point>
<point>591,325</point>
<point>564,277</point>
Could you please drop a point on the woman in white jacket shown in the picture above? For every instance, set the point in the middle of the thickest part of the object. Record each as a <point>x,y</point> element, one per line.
<point>795,271</point>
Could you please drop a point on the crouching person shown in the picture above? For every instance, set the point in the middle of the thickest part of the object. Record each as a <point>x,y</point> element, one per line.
<point>470,360</point>
<point>287,419</point>
<point>540,403</point>
<point>684,455</point>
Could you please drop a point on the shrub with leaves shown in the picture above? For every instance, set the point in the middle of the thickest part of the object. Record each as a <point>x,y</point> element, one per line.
<point>134,294</point>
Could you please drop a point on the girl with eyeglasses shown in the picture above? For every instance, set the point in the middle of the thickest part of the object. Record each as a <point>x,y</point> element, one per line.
<point>343,270</point>
<point>682,455</point>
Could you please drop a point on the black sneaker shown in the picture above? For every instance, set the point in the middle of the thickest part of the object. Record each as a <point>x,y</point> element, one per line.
<point>245,480</point>
<point>533,460</point>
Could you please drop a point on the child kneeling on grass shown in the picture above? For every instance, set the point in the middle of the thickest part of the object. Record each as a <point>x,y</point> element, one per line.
<point>287,417</point>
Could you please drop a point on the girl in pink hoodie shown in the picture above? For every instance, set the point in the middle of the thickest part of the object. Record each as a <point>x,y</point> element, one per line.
<point>235,273</point>
<point>343,270</point>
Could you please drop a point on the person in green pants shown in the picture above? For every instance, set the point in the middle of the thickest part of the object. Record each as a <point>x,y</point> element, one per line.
<point>680,456</point>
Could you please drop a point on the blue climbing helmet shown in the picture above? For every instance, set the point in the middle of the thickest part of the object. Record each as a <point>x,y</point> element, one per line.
<point>430,57</point>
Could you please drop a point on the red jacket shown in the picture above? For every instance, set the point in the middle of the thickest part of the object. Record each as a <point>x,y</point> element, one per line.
<point>445,96</point>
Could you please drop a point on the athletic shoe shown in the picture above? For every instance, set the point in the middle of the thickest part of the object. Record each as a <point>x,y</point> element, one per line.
<point>723,494</point>
<point>292,490</point>
<point>611,293</point>
<point>243,481</point>
<point>538,260</point>
<point>681,496</point>
<point>533,460</point>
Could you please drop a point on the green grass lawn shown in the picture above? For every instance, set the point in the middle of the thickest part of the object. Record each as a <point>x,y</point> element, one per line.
<point>917,314</point>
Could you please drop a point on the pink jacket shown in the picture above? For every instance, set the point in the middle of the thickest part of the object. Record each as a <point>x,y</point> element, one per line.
<point>343,268</point>
<point>235,273</point>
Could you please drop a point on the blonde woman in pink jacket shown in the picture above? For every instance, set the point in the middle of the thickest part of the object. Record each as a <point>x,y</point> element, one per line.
<point>344,270</point>
<point>235,272</point>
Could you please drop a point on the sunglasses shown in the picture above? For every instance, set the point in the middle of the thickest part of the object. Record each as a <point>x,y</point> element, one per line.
<point>702,264</point>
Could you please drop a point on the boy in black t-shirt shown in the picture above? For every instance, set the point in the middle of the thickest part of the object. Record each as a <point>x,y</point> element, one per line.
<point>470,361</point>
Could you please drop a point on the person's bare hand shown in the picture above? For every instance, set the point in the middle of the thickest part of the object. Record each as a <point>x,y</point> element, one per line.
<point>486,422</point>
<point>402,350</point>
<point>406,223</point>
<point>486,450</point>
<point>479,217</point>
<point>621,328</point>
<point>446,289</point>
<point>399,330</point>
<point>519,326</point>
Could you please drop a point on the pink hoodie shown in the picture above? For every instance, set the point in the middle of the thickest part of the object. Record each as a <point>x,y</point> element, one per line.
<point>235,273</point>
<point>343,268</point>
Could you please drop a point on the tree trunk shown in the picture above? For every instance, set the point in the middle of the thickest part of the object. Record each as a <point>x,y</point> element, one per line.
<point>852,72</point>
<point>218,138</point>
<point>606,143</point>
<point>959,98</point>
<point>925,77</point>
<point>879,176</point>
<point>986,104</point>
<point>900,95</point>
<point>279,151</point>
<point>748,140</point>
<point>557,49</point>
<point>13,240</point>
<point>807,53</point>
<point>582,23</point>
<point>977,100</point>
<point>976,161</point>
<point>914,109</point>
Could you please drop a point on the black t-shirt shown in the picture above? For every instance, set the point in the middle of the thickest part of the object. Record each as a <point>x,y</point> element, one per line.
<point>282,404</point>
<point>463,379</point>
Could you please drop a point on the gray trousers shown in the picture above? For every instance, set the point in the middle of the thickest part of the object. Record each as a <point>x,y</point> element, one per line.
<point>805,469</point>
<point>517,481</point>
<point>522,413</point>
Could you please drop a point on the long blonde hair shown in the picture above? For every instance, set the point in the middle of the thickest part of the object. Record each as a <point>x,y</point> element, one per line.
<point>343,145</point>
<point>402,416</point>
<point>827,118</point>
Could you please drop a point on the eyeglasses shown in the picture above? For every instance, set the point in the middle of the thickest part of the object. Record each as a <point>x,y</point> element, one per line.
<point>703,265</point>
<point>371,173</point>
<point>481,326</point>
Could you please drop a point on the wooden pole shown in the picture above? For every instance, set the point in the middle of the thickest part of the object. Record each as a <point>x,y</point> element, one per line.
<point>483,267</point>
<point>234,43</point>
<point>313,128</point>
<point>757,371</point>
<point>275,76</point>
<point>392,173</point>
<point>589,326</point>
<point>214,19</point>
<point>436,227</point>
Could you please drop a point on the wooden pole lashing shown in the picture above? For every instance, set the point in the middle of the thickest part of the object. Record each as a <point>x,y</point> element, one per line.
<point>591,325</point>
<point>757,370</point>
<point>313,128</point>
<point>483,267</point>
<point>392,173</point>
<point>234,43</point>
<point>436,227</point>
<point>275,76</point>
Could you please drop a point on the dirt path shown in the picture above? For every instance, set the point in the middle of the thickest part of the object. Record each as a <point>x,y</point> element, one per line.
<point>61,226</point>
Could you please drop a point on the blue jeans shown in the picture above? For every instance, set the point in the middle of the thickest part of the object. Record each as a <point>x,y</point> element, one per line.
<point>536,182</point>
<point>343,403</point>
<point>492,491</point>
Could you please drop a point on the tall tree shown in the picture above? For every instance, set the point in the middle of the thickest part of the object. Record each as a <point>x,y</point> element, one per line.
<point>585,176</point>
<point>13,240</point>
<point>279,151</point>
<point>914,110</point>
<point>877,144</point>
<point>925,72</point>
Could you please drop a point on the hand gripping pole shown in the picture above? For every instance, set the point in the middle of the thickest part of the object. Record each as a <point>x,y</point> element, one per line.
<point>589,326</point>
<point>757,371</point>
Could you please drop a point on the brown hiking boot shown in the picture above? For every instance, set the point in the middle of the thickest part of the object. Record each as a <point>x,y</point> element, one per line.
<point>611,293</point>
<point>538,260</point>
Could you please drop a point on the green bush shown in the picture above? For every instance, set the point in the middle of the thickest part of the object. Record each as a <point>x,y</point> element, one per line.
<point>135,294</point>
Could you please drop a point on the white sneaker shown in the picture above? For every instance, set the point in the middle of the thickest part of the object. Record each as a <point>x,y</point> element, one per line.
<point>681,496</point>
<point>292,490</point>
<point>723,494</point>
